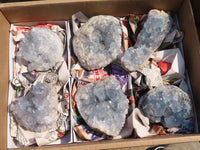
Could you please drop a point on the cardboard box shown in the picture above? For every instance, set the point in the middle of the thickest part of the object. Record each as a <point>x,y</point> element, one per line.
<point>62,10</point>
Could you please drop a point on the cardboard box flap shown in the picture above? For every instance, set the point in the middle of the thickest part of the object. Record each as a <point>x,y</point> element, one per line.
<point>63,9</point>
<point>4,50</point>
<point>123,143</point>
<point>191,50</point>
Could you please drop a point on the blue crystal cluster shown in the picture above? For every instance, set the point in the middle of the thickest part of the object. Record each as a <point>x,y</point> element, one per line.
<point>103,105</point>
<point>155,29</point>
<point>98,42</point>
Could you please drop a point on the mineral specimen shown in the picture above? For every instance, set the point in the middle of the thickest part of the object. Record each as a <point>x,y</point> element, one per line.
<point>170,106</point>
<point>37,111</point>
<point>155,28</point>
<point>40,50</point>
<point>98,42</point>
<point>103,106</point>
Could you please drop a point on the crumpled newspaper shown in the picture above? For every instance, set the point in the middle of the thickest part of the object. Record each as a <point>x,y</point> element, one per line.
<point>131,26</point>
<point>120,74</point>
<point>23,80</point>
<point>84,77</point>
<point>18,31</point>
<point>82,129</point>
<point>140,124</point>
<point>26,138</point>
<point>78,19</point>
<point>150,72</point>
<point>152,75</point>
<point>164,66</point>
<point>177,68</point>
<point>87,76</point>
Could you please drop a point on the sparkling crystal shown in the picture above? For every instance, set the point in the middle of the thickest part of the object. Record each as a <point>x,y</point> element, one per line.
<point>37,111</point>
<point>168,105</point>
<point>98,42</point>
<point>149,39</point>
<point>40,50</point>
<point>103,105</point>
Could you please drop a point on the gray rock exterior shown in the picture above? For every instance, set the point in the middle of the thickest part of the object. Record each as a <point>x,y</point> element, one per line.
<point>40,50</point>
<point>155,28</point>
<point>103,106</point>
<point>37,111</point>
<point>168,105</point>
<point>98,42</point>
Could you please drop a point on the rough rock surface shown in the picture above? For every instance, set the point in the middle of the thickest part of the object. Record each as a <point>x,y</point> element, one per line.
<point>37,111</point>
<point>103,106</point>
<point>155,28</point>
<point>98,42</point>
<point>168,105</point>
<point>40,50</point>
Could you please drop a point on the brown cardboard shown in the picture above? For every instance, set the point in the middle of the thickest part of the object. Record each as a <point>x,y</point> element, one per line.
<point>191,50</point>
<point>123,143</point>
<point>4,45</point>
<point>62,10</point>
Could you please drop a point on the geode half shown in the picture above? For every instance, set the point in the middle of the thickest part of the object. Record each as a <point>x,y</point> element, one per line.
<point>37,111</point>
<point>40,50</point>
<point>103,106</point>
<point>168,105</point>
<point>98,42</point>
<point>155,28</point>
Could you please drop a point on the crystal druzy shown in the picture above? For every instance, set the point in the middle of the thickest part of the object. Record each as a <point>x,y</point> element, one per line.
<point>37,111</point>
<point>168,105</point>
<point>40,50</point>
<point>98,42</point>
<point>155,28</point>
<point>103,105</point>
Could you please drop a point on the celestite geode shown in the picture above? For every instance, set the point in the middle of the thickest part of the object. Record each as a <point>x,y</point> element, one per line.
<point>103,106</point>
<point>40,50</point>
<point>98,42</point>
<point>37,111</point>
<point>168,105</point>
<point>155,28</point>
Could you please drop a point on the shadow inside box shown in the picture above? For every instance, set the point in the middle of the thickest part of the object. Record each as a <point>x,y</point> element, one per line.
<point>198,29</point>
<point>195,8</point>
